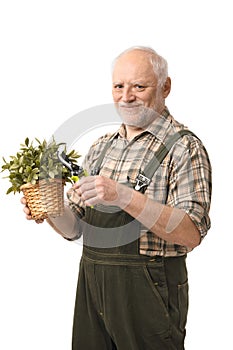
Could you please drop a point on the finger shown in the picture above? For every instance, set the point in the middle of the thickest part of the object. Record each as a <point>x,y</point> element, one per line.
<point>85,187</point>
<point>84,180</point>
<point>23,200</point>
<point>39,221</point>
<point>89,195</point>
<point>26,210</point>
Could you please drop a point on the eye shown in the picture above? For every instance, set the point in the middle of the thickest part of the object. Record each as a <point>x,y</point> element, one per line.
<point>118,86</point>
<point>139,87</point>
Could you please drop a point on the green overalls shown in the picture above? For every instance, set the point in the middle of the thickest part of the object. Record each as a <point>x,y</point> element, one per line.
<point>128,301</point>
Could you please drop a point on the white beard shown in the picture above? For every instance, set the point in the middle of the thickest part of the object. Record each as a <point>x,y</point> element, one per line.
<point>136,115</point>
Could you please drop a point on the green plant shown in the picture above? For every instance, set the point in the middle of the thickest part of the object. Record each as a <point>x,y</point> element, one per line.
<point>36,162</point>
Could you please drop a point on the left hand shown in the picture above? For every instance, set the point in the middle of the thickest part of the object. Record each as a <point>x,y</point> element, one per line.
<point>99,189</point>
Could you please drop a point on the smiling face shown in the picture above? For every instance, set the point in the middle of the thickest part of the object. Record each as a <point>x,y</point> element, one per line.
<point>135,89</point>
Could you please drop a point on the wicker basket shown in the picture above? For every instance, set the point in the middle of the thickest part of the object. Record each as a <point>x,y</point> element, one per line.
<point>44,199</point>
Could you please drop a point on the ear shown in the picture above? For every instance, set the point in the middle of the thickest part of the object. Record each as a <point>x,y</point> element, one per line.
<point>167,87</point>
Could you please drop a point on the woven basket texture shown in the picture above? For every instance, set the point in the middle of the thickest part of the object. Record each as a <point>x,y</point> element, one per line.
<point>45,198</point>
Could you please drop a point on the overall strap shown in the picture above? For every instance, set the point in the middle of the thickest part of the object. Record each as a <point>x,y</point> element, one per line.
<point>96,170</point>
<point>144,178</point>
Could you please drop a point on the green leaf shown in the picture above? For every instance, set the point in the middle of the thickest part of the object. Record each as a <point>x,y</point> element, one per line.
<point>36,159</point>
<point>9,190</point>
<point>14,167</point>
<point>37,140</point>
<point>51,174</point>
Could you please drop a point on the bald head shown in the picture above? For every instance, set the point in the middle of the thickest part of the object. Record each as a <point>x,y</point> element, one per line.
<point>147,55</point>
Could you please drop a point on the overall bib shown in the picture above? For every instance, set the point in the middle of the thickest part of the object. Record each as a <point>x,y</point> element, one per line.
<point>128,301</point>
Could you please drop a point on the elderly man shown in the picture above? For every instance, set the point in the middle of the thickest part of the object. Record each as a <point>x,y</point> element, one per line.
<point>144,207</point>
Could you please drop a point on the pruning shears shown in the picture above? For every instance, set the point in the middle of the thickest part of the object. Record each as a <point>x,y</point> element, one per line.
<point>76,170</point>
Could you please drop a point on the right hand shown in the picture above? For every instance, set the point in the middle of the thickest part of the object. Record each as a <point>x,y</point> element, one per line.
<point>27,211</point>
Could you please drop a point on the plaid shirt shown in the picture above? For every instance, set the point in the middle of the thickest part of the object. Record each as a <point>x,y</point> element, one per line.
<point>183,180</point>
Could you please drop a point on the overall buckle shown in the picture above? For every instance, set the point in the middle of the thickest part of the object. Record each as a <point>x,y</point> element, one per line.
<point>142,181</point>
<point>95,171</point>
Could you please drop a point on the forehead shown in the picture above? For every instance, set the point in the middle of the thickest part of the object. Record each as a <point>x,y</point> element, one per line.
<point>134,65</point>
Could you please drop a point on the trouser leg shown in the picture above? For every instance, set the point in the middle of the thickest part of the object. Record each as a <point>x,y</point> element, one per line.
<point>143,309</point>
<point>178,297</point>
<point>89,331</point>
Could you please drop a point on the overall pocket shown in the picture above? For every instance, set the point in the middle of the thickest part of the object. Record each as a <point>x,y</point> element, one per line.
<point>144,304</point>
<point>183,303</point>
<point>157,281</point>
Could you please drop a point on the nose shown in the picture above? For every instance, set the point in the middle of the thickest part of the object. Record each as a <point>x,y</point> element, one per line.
<point>127,94</point>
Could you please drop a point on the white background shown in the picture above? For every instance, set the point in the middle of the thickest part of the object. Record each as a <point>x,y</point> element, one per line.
<point>55,62</point>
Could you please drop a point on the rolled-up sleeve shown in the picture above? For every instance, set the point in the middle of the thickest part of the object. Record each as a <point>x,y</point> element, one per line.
<point>191,183</point>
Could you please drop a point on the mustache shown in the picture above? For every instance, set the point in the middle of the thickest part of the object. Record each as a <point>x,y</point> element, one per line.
<point>130,104</point>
